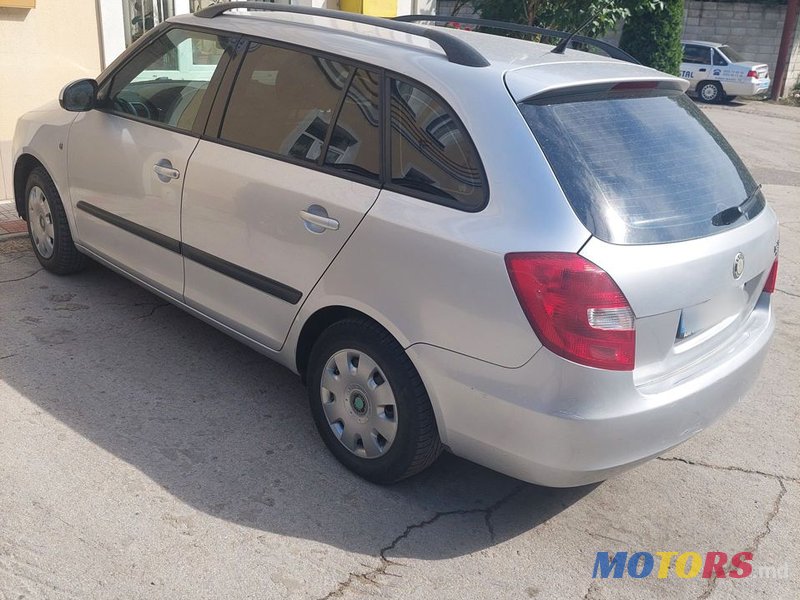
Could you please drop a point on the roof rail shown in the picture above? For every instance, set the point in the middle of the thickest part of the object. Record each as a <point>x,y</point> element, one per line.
<point>609,49</point>
<point>456,50</point>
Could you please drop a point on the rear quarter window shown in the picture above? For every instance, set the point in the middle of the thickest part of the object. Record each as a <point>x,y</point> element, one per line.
<point>642,170</point>
<point>432,156</point>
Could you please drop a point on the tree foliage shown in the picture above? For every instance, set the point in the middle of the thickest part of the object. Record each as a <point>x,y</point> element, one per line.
<point>654,37</point>
<point>565,15</point>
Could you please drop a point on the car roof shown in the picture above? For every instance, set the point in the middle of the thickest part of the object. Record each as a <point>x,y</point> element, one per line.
<point>421,58</point>
<point>698,43</point>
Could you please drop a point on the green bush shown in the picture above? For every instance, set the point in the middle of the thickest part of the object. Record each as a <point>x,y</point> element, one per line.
<point>654,36</point>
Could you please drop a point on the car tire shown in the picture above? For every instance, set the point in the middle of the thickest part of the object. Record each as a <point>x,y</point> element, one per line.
<point>48,227</point>
<point>383,434</point>
<point>710,92</point>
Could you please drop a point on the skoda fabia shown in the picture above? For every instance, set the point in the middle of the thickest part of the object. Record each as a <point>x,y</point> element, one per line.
<point>457,240</point>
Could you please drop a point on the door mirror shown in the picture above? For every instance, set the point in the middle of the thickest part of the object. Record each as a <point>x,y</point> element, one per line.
<point>79,96</point>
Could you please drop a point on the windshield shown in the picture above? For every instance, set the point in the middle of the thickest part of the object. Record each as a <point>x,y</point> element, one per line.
<point>642,170</point>
<point>732,54</point>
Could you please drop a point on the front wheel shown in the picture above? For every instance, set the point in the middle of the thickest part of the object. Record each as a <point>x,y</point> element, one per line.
<point>710,92</point>
<point>369,403</point>
<point>48,227</point>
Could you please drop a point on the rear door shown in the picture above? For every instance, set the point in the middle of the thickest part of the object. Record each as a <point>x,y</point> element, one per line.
<point>277,186</point>
<point>127,158</point>
<point>696,64</point>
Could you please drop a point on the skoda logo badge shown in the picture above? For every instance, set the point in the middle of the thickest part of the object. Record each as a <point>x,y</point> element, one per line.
<point>738,265</point>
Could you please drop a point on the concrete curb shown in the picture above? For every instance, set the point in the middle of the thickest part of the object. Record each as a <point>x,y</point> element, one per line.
<point>11,236</point>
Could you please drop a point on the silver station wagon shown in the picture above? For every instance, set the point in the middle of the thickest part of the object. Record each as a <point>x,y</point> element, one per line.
<point>457,240</point>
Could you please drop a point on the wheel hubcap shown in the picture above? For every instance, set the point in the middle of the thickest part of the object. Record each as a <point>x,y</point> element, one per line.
<point>41,222</point>
<point>709,92</point>
<point>358,403</point>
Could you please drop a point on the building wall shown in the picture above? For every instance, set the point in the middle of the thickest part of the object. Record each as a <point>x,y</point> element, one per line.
<point>754,30</point>
<point>793,70</point>
<point>41,49</point>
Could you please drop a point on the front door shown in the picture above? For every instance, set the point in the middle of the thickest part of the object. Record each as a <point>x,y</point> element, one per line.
<point>127,159</point>
<point>274,191</point>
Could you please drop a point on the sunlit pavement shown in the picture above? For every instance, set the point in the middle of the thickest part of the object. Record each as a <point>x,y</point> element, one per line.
<point>145,455</point>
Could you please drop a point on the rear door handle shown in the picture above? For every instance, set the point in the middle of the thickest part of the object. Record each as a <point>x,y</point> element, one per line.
<point>702,70</point>
<point>317,220</point>
<point>165,171</point>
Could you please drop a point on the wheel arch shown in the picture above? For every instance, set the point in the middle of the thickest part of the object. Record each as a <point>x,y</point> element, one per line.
<point>326,316</point>
<point>22,169</point>
<point>318,322</point>
<point>713,82</point>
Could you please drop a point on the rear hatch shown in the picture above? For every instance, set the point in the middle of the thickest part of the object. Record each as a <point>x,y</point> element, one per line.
<point>676,218</point>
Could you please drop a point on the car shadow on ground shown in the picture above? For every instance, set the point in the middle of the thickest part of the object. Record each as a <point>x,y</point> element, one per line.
<point>224,429</point>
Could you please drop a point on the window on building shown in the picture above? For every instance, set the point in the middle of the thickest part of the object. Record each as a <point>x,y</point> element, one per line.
<point>142,15</point>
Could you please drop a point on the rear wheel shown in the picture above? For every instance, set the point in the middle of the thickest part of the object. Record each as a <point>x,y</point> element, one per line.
<point>48,227</point>
<point>369,403</point>
<point>710,92</point>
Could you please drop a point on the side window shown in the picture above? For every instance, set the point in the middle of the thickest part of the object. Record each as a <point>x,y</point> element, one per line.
<point>283,102</point>
<point>355,141</point>
<point>719,61</point>
<point>698,55</point>
<point>430,152</point>
<point>167,80</point>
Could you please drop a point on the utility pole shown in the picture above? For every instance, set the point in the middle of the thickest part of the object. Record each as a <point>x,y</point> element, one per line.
<point>784,52</point>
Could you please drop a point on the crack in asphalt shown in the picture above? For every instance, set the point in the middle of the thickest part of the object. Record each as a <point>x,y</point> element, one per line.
<point>728,468</point>
<point>153,310</point>
<point>591,592</point>
<point>370,577</point>
<point>792,294</point>
<point>21,278</point>
<point>753,547</point>
<point>712,582</point>
<point>776,507</point>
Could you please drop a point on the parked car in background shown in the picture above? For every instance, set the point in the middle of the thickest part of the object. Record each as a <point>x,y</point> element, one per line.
<point>717,73</point>
<point>559,302</point>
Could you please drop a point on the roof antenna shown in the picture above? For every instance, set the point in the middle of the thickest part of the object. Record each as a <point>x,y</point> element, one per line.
<point>562,45</point>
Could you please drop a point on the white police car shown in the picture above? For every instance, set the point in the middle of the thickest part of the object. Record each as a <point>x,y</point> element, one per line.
<point>716,72</point>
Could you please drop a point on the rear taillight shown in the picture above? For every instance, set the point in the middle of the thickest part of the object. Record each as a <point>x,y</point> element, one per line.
<point>769,286</point>
<point>575,308</point>
<point>752,73</point>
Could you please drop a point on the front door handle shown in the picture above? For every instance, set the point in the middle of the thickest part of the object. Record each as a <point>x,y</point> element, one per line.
<point>316,219</point>
<point>702,70</point>
<point>165,171</point>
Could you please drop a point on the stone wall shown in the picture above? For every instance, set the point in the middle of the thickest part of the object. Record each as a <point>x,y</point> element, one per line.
<point>754,30</point>
<point>793,71</point>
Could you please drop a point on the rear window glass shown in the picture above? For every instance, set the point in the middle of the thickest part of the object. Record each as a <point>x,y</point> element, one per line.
<point>732,54</point>
<point>642,170</point>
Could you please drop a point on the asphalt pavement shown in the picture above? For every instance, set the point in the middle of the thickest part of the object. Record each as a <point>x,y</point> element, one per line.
<point>143,454</point>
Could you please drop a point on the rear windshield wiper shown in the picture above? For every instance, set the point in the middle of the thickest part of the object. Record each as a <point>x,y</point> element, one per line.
<point>732,214</point>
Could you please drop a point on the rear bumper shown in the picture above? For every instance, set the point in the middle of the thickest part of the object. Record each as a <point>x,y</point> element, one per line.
<point>747,88</point>
<point>556,423</point>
